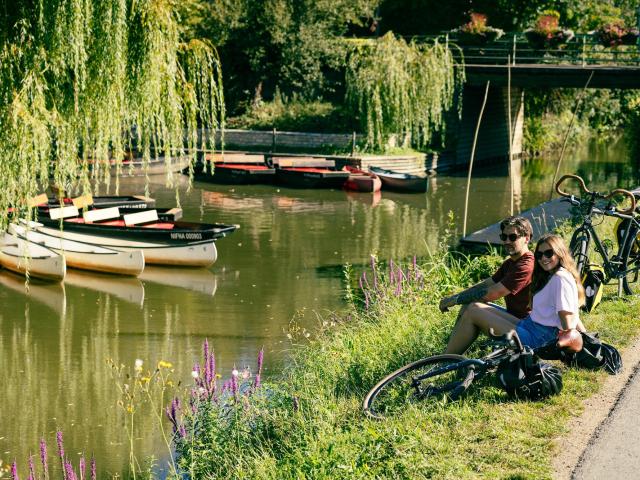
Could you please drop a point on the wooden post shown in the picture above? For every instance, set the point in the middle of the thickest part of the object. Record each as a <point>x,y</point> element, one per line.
<point>353,144</point>
<point>273,141</point>
<point>566,137</point>
<point>473,153</point>
<point>510,137</point>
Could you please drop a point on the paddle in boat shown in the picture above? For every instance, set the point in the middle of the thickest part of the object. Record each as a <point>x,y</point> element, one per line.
<point>163,242</point>
<point>84,256</point>
<point>361,181</point>
<point>22,256</point>
<point>309,173</point>
<point>400,181</point>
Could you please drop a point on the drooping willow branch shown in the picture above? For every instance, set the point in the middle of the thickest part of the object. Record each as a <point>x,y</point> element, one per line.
<point>399,88</point>
<point>84,81</point>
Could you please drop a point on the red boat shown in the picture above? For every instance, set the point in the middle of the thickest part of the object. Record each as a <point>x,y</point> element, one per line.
<point>309,173</point>
<point>361,181</point>
<point>235,173</point>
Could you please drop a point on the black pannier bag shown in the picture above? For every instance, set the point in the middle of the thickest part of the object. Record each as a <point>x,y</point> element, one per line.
<point>595,355</point>
<point>523,376</point>
<point>593,283</point>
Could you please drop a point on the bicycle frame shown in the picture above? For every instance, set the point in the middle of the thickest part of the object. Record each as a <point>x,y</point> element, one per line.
<point>612,265</point>
<point>483,365</point>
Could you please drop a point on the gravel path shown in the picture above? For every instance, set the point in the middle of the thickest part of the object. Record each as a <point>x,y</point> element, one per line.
<point>604,441</point>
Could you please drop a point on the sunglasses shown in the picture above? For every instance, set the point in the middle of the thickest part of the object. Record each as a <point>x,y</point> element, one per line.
<point>512,237</point>
<point>547,253</point>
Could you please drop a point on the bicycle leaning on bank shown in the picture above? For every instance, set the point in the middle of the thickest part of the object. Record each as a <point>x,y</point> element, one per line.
<point>624,265</point>
<point>447,377</point>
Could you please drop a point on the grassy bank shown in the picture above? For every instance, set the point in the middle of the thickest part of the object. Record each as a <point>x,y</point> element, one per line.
<point>309,424</point>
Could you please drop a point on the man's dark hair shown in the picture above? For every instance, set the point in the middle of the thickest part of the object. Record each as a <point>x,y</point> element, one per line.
<point>521,224</point>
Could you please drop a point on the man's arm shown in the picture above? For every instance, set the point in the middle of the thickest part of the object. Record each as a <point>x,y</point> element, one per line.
<point>485,291</point>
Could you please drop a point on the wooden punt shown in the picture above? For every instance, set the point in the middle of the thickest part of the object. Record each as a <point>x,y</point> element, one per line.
<point>84,256</point>
<point>238,174</point>
<point>400,181</point>
<point>22,256</point>
<point>162,242</point>
<point>361,181</point>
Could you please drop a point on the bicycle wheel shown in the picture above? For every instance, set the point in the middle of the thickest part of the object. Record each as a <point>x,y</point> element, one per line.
<point>630,266</point>
<point>579,248</point>
<point>433,378</point>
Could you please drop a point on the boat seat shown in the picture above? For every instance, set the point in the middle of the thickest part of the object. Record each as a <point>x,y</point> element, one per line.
<point>137,218</point>
<point>63,212</point>
<point>100,214</point>
<point>83,201</point>
<point>41,199</point>
<point>309,162</point>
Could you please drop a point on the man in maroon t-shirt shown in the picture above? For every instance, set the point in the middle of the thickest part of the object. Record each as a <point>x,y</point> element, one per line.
<point>511,281</point>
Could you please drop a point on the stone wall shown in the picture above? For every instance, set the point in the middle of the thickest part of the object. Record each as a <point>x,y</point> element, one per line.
<point>267,140</point>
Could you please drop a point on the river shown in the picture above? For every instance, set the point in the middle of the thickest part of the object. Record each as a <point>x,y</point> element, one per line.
<point>282,267</point>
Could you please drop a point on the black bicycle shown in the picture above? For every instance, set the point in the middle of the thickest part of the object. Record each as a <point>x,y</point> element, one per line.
<point>624,265</point>
<point>438,378</point>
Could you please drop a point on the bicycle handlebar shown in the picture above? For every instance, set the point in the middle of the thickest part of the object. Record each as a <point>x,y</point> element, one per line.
<point>583,187</point>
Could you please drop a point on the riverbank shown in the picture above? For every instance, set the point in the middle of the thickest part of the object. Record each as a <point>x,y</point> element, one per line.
<point>309,424</point>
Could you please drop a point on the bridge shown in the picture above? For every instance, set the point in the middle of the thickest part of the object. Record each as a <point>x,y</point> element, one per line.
<point>579,63</point>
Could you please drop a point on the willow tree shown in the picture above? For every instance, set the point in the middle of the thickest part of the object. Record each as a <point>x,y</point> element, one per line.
<point>83,81</point>
<point>401,88</point>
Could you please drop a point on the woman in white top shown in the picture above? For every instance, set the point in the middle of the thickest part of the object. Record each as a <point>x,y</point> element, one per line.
<point>557,294</point>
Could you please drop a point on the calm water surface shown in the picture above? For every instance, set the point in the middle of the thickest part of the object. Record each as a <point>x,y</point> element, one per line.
<point>283,265</point>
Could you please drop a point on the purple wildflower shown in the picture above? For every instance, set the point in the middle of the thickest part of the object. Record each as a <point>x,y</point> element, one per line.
<point>260,360</point>
<point>172,413</point>
<point>60,444</point>
<point>68,470</point>
<point>234,383</point>
<point>61,455</point>
<point>83,468</point>
<point>182,431</point>
<point>93,469</point>
<point>256,382</point>
<point>14,471</point>
<point>211,364</point>
<point>32,469</point>
<point>43,457</point>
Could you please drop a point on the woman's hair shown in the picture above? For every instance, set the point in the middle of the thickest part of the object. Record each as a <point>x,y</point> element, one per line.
<point>541,276</point>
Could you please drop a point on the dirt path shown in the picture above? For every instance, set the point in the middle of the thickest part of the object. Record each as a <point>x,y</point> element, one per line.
<point>607,434</point>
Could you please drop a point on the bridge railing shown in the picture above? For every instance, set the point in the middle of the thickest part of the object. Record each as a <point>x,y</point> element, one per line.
<point>582,49</point>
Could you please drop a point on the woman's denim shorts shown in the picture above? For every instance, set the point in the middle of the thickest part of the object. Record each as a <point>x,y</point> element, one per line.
<point>534,334</point>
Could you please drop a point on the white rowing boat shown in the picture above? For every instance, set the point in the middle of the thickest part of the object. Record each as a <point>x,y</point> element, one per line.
<point>22,256</point>
<point>82,255</point>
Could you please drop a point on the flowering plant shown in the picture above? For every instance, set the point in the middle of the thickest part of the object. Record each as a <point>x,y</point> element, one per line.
<point>616,33</point>
<point>547,33</point>
<point>476,31</point>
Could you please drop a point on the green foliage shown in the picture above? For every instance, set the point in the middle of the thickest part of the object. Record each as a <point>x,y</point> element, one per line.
<point>295,114</point>
<point>399,88</point>
<point>281,44</point>
<point>82,81</point>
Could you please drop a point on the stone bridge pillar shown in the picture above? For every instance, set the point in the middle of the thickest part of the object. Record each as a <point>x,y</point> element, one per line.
<point>493,138</point>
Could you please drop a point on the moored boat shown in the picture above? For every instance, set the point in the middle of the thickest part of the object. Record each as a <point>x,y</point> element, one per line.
<point>124,202</point>
<point>82,255</point>
<point>309,173</point>
<point>162,242</point>
<point>400,181</point>
<point>237,173</point>
<point>361,181</point>
<point>22,256</point>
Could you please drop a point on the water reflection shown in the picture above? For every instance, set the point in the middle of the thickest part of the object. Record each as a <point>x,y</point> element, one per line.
<point>124,288</point>
<point>196,279</point>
